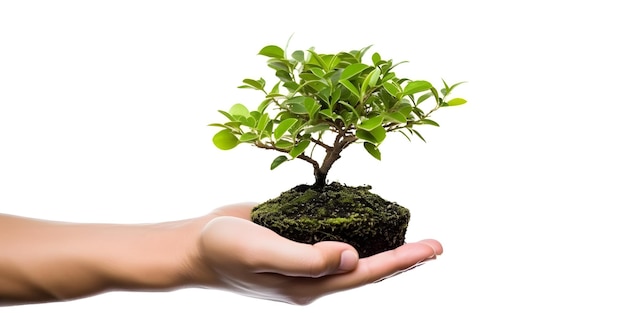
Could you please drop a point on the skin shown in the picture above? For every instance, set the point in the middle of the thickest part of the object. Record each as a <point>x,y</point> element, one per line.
<point>42,261</point>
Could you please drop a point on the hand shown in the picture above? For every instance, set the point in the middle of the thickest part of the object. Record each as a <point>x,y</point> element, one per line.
<point>237,255</point>
<point>223,249</point>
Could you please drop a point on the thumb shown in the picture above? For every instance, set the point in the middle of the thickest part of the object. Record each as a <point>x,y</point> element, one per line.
<point>335,258</point>
<point>305,260</point>
<point>230,241</point>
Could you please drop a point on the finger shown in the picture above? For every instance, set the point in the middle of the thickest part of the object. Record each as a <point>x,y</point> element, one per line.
<point>385,264</point>
<point>432,243</point>
<point>405,257</point>
<point>261,250</point>
<point>240,210</point>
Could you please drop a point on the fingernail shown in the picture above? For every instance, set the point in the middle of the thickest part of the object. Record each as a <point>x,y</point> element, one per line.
<point>434,255</point>
<point>349,260</point>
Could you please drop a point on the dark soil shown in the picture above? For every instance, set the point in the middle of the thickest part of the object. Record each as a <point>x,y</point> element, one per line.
<point>336,212</point>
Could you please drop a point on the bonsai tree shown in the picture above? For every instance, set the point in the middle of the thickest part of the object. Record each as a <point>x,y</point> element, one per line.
<point>322,104</point>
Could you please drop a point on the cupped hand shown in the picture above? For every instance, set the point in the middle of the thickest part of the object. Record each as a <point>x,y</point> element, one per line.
<point>238,255</point>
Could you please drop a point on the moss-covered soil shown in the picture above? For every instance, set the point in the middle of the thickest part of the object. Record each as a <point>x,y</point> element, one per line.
<point>336,212</point>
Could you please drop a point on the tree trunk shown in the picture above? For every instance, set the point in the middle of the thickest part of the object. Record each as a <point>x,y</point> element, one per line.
<point>320,179</point>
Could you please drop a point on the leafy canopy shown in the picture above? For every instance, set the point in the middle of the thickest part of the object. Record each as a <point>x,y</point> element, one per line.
<point>330,101</point>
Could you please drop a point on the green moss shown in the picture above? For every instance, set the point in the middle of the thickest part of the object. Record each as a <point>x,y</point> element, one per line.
<point>338,220</point>
<point>336,212</point>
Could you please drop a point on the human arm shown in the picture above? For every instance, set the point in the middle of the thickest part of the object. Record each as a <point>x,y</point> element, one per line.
<point>50,261</point>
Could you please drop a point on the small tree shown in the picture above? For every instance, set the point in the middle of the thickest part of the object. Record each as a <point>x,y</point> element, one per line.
<point>330,101</point>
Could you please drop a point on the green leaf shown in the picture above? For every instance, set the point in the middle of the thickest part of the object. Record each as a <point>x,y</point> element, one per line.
<point>264,104</point>
<point>298,108</point>
<point>379,133</point>
<point>249,121</point>
<point>278,161</point>
<point>299,148</point>
<point>296,105</point>
<point>284,76</point>
<point>417,86</point>
<point>375,136</point>
<point>396,117</point>
<point>276,89</point>
<point>365,135</point>
<point>372,149</point>
<point>283,127</point>
<point>350,87</point>
<point>348,118</point>
<point>233,125</point>
<point>272,52</point>
<point>324,96</point>
<point>317,128</point>
<point>423,97</point>
<point>329,114</point>
<point>246,86</point>
<point>239,109</point>
<point>255,84</point>
<point>405,135</point>
<point>242,120</point>
<point>230,117</point>
<point>352,70</point>
<point>389,76</point>
<point>435,94</point>
<point>456,101</point>
<point>248,137</point>
<point>268,129</point>
<point>311,106</point>
<point>333,62</point>
<point>391,88</point>
<point>405,109</point>
<point>291,86</point>
<point>278,66</point>
<point>352,109</point>
<point>375,58</point>
<point>263,121</point>
<point>454,86</point>
<point>298,56</point>
<point>317,60</point>
<point>371,123</point>
<point>416,133</point>
<point>284,144</point>
<point>347,58</point>
<point>428,122</point>
<point>359,54</point>
<point>309,77</point>
<point>225,140</point>
<point>318,72</point>
<point>373,77</point>
<point>335,97</point>
<point>420,135</point>
<point>255,115</point>
<point>445,90</point>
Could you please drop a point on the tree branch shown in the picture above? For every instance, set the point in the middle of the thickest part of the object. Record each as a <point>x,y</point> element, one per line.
<point>321,143</point>
<point>304,157</point>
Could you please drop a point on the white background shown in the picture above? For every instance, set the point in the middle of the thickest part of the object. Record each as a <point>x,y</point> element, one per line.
<point>104,107</point>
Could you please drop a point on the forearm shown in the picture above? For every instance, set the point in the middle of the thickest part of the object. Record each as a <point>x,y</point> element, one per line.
<point>45,261</point>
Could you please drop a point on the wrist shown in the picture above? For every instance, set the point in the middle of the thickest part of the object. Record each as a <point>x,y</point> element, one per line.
<point>164,257</point>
